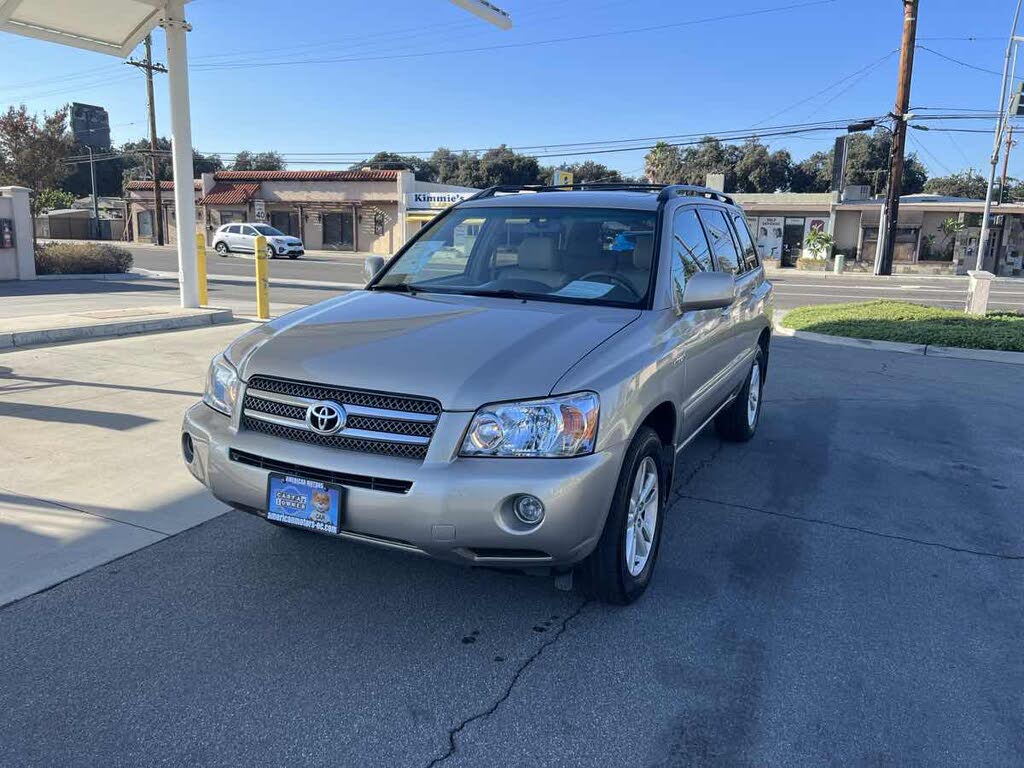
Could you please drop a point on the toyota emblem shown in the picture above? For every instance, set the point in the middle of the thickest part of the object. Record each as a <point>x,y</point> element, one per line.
<point>325,417</point>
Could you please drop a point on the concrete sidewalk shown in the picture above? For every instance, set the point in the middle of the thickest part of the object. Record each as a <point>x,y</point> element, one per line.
<point>91,452</point>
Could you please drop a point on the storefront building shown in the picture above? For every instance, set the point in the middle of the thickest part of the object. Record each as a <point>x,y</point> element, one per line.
<point>142,210</point>
<point>935,234</point>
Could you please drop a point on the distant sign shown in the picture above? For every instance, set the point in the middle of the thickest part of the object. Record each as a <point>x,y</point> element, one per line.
<point>561,179</point>
<point>90,125</point>
<point>260,210</point>
<point>434,201</point>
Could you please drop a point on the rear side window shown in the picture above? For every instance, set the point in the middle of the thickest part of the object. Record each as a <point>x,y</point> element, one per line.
<point>690,252</point>
<point>234,229</point>
<point>749,256</point>
<point>720,236</point>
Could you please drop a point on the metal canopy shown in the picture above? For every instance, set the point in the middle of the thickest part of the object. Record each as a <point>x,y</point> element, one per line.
<point>113,27</point>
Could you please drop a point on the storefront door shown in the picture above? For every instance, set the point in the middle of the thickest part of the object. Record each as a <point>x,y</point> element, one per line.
<point>339,231</point>
<point>286,222</point>
<point>792,241</point>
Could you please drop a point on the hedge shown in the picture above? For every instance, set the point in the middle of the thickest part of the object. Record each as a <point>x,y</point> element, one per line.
<point>81,259</point>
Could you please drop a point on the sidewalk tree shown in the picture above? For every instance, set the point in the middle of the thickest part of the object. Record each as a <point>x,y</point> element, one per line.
<point>34,148</point>
<point>258,161</point>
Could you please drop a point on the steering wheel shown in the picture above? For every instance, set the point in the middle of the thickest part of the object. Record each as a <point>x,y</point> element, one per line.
<point>614,278</point>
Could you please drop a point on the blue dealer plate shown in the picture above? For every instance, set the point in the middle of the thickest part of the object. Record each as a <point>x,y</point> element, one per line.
<point>304,503</point>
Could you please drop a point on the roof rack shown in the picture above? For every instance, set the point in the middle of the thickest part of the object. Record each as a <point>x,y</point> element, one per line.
<point>680,190</point>
<point>665,191</point>
<point>594,185</point>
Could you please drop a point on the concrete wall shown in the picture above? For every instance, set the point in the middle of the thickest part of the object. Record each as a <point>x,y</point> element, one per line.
<point>17,262</point>
<point>847,233</point>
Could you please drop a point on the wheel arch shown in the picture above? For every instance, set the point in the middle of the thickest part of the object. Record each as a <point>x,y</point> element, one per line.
<point>664,420</point>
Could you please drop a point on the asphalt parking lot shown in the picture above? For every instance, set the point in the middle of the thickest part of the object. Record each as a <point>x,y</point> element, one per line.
<point>846,589</point>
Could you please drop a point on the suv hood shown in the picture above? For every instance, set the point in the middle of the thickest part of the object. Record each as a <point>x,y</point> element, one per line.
<point>464,351</point>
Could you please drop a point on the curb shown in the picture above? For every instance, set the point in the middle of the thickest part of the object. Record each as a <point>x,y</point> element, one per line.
<point>133,275</point>
<point>47,336</point>
<point>925,350</point>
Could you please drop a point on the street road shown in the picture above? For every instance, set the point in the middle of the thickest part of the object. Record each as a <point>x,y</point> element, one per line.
<point>793,288</point>
<point>845,589</point>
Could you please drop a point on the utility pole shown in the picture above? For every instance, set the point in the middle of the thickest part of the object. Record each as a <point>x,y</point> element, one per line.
<point>986,217</point>
<point>1010,143</point>
<point>899,138</point>
<point>149,67</point>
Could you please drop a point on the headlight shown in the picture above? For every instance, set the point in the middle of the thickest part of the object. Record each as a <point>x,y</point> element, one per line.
<point>221,386</point>
<point>551,428</point>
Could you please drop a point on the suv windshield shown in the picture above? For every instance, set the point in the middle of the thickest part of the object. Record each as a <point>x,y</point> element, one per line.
<point>589,255</point>
<point>263,229</point>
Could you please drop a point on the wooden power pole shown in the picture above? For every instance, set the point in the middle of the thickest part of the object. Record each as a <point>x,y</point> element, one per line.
<point>899,136</point>
<point>149,67</point>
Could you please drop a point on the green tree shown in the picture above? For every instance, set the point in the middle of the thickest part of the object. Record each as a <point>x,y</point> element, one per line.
<point>663,164</point>
<point>50,199</point>
<point>34,149</point>
<point>258,161</point>
<point>503,166</point>
<point>423,169</point>
<point>759,170</point>
<point>137,164</point>
<point>587,171</point>
<point>967,183</point>
<point>867,162</point>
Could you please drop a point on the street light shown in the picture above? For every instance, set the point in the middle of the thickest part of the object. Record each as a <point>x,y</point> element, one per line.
<point>492,14</point>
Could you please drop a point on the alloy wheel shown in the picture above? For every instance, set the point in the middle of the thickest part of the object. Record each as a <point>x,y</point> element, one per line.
<point>642,518</point>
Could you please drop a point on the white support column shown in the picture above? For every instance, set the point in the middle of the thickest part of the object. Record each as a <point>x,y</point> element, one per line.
<point>175,27</point>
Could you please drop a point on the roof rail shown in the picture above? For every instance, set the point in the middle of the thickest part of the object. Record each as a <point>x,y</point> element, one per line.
<point>679,190</point>
<point>622,186</point>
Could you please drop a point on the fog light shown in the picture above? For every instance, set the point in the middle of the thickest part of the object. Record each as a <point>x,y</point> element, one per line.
<point>187,449</point>
<point>529,509</point>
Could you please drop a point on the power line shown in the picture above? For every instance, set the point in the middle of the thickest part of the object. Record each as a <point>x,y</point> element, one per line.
<point>920,145</point>
<point>526,44</point>
<point>961,62</point>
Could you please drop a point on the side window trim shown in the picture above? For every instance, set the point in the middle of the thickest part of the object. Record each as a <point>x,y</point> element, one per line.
<point>738,221</point>
<point>728,228</point>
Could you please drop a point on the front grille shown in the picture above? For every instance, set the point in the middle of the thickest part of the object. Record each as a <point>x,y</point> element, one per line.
<point>338,441</point>
<point>379,423</point>
<point>347,396</point>
<point>323,475</point>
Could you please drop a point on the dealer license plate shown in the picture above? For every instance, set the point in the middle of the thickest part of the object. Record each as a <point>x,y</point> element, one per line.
<point>304,503</point>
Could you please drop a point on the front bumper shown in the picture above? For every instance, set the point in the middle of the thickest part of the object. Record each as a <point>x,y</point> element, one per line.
<point>457,509</point>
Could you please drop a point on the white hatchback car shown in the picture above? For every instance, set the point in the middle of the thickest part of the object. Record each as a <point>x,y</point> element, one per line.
<point>241,238</point>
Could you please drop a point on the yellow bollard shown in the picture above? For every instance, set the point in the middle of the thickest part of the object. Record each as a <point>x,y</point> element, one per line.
<point>201,268</point>
<point>262,279</point>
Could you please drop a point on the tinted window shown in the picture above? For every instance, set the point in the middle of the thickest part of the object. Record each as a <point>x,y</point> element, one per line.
<point>746,243</point>
<point>690,253</point>
<point>235,229</point>
<point>248,231</point>
<point>722,244</point>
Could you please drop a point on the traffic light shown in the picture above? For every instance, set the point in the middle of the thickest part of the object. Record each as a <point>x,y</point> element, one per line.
<point>1017,107</point>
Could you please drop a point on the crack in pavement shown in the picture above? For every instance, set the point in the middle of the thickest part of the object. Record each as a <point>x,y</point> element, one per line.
<point>699,467</point>
<point>855,528</point>
<point>454,732</point>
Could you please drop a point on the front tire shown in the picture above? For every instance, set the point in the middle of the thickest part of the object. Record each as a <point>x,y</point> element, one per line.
<point>620,567</point>
<point>222,248</point>
<point>739,421</point>
<point>271,253</point>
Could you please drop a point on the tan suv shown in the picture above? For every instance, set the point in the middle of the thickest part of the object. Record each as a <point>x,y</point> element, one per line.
<point>511,389</point>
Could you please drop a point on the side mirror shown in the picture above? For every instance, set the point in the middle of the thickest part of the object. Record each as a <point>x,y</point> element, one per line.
<point>708,290</point>
<point>371,266</point>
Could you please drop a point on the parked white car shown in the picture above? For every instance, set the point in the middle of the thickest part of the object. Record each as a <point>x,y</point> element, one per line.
<point>241,238</point>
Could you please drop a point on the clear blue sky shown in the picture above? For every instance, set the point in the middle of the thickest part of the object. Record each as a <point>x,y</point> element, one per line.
<point>702,77</point>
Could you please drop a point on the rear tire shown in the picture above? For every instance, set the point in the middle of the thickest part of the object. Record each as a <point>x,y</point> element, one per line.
<point>739,421</point>
<point>620,567</point>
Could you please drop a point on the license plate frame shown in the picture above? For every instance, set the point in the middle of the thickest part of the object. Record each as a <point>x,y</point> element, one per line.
<point>296,501</point>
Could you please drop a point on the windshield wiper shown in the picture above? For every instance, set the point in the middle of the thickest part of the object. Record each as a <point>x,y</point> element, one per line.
<point>396,287</point>
<point>505,293</point>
